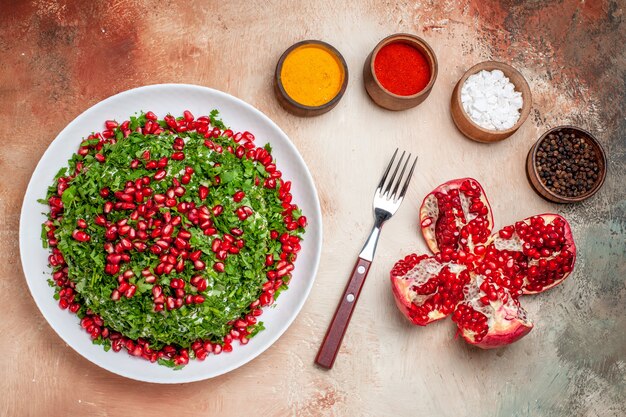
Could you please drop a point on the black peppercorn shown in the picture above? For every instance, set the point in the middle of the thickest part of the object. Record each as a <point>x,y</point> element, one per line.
<point>567,164</point>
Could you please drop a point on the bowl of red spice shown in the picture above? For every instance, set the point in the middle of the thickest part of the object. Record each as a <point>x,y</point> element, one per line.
<point>400,72</point>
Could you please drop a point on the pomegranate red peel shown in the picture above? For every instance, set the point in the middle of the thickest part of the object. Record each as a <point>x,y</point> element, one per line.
<point>528,257</point>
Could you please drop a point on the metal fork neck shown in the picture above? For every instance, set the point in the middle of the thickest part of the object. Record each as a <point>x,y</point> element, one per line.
<point>367,253</point>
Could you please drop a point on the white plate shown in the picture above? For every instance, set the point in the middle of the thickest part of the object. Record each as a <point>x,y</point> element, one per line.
<point>174,99</point>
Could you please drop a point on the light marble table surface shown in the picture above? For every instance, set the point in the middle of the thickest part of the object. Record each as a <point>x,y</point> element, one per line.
<point>59,58</point>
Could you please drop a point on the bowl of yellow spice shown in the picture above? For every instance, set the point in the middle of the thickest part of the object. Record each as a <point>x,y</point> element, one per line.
<point>311,77</point>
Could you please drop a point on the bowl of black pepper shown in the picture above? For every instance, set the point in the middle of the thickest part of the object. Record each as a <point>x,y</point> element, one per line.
<point>566,165</point>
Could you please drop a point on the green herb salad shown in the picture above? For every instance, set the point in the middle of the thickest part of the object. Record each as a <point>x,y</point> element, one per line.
<point>167,237</point>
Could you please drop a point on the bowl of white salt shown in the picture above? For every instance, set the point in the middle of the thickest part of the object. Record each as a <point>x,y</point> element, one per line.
<point>490,102</point>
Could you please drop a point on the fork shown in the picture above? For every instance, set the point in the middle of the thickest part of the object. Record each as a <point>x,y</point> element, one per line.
<point>386,203</point>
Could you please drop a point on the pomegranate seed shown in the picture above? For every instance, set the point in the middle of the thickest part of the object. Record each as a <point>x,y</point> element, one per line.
<point>160,174</point>
<point>81,236</point>
<point>266,299</point>
<point>130,292</point>
<point>203,192</point>
<point>218,267</point>
<point>238,196</point>
<point>81,223</point>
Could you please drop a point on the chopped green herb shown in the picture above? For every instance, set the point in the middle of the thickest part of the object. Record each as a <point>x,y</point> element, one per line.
<point>149,238</point>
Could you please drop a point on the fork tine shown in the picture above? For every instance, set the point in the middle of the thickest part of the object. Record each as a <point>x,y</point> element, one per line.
<point>408,179</point>
<point>393,176</point>
<point>399,181</point>
<point>382,180</point>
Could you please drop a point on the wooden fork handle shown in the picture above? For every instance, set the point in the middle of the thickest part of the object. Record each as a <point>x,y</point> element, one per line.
<point>339,324</point>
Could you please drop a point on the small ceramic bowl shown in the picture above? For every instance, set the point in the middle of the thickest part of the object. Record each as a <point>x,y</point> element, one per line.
<point>293,106</point>
<point>385,98</point>
<point>467,126</point>
<point>540,187</point>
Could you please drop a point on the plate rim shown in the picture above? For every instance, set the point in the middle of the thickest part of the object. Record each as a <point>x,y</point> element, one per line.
<point>316,217</point>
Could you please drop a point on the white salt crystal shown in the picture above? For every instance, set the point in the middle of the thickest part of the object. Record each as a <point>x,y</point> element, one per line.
<point>490,100</point>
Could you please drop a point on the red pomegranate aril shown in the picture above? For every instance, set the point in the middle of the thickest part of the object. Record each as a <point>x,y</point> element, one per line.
<point>177,283</point>
<point>236,232</point>
<point>130,291</point>
<point>203,192</point>
<point>160,174</point>
<point>178,156</point>
<point>110,124</point>
<point>179,191</point>
<point>269,259</point>
<point>180,243</point>
<point>184,234</point>
<point>266,299</point>
<point>81,223</point>
<point>81,236</point>
<point>238,196</point>
<point>179,144</point>
<point>199,265</point>
<point>217,210</point>
<point>218,267</point>
<point>188,116</point>
<point>167,230</point>
<point>100,158</point>
<point>123,287</point>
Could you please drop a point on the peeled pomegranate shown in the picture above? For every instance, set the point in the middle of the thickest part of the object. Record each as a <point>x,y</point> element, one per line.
<point>476,276</point>
<point>489,315</point>
<point>426,289</point>
<point>537,253</point>
<point>456,215</point>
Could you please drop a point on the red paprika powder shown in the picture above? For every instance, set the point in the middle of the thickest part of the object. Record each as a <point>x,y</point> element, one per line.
<point>401,69</point>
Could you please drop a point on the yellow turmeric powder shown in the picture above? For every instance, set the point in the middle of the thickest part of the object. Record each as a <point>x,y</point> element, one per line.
<point>312,75</point>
